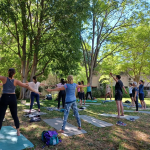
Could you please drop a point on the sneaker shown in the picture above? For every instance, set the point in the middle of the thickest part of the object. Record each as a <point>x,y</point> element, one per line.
<point>121,123</point>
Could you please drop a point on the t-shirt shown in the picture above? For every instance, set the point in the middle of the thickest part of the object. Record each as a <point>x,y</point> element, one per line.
<point>107,89</point>
<point>34,86</point>
<point>119,86</point>
<point>88,88</point>
<point>135,89</point>
<point>60,85</point>
<point>130,90</point>
<point>70,92</point>
<point>141,88</point>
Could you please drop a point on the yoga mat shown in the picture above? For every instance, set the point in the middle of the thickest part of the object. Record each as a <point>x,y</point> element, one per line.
<point>141,108</point>
<point>123,117</point>
<point>10,141</point>
<point>94,101</point>
<point>108,101</point>
<point>70,130</point>
<point>95,122</point>
<point>146,112</point>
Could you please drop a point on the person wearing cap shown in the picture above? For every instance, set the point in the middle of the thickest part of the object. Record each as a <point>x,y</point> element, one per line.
<point>141,94</point>
<point>118,94</point>
<point>135,94</point>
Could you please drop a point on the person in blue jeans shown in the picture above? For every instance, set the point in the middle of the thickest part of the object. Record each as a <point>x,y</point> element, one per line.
<point>35,85</point>
<point>70,101</point>
<point>135,95</point>
<point>141,94</point>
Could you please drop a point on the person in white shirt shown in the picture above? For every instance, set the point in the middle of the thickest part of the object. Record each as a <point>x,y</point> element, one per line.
<point>108,92</point>
<point>131,95</point>
<point>35,85</point>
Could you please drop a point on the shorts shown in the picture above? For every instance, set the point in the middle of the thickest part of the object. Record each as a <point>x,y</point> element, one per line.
<point>131,95</point>
<point>141,96</point>
<point>118,96</point>
<point>82,97</point>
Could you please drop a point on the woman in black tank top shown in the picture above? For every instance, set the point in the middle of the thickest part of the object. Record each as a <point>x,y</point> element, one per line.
<point>9,97</point>
<point>118,94</point>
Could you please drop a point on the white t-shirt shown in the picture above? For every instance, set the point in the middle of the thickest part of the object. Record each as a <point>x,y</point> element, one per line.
<point>108,89</point>
<point>34,86</point>
<point>130,90</point>
<point>60,85</point>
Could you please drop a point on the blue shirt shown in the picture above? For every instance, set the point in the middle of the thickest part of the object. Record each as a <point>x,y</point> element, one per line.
<point>88,89</point>
<point>70,92</point>
<point>141,88</point>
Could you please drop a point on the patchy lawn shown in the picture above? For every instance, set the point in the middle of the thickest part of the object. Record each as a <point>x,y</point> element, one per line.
<point>135,136</point>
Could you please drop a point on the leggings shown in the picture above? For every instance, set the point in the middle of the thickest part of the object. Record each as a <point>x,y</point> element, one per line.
<point>62,94</point>
<point>136,102</point>
<point>34,95</point>
<point>11,101</point>
<point>88,94</point>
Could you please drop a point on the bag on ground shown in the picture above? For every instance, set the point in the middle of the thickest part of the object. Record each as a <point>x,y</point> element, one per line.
<point>50,137</point>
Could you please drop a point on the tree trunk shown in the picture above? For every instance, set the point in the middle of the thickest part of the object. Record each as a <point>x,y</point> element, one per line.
<point>137,78</point>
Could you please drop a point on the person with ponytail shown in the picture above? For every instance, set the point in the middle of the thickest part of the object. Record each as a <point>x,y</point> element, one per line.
<point>35,85</point>
<point>9,97</point>
<point>70,101</point>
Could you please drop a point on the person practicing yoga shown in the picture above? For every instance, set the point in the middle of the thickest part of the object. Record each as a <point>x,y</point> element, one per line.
<point>141,94</point>
<point>62,94</point>
<point>118,94</point>
<point>78,90</point>
<point>82,95</point>
<point>35,85</point>
<point>131,95</point>
<point>9,97</point>
<point>89,92</point>
<point>135,95</point>
<point>70,102</point>
<point>108,92</point>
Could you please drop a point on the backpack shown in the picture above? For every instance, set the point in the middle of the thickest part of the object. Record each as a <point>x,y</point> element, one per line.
<point>50,138</point>
<point>49,97</point>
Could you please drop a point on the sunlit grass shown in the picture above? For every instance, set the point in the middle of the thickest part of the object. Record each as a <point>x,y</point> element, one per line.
<point>136,135</point>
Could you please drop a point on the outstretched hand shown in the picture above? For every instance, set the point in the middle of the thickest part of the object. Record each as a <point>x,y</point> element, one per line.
<point>48,90</point>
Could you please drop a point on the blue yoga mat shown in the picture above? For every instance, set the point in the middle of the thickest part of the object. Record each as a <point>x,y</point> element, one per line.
<point>10,141</point>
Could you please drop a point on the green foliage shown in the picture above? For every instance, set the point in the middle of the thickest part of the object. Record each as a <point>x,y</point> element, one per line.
<point>145,93</point>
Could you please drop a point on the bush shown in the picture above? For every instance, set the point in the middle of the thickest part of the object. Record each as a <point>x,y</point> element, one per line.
<point>145,93</point>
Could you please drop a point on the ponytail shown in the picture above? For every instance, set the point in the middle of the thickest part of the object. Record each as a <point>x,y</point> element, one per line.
<point>35,79</point>
<point>11,72</point>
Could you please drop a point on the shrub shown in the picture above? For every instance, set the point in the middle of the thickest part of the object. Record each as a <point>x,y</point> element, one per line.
<point>145,93</point>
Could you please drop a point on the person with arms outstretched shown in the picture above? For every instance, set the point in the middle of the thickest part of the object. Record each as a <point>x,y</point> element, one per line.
<point>118,94</point>
<point>70,102</point>
<point>9,97</point>
<point>35,85</point>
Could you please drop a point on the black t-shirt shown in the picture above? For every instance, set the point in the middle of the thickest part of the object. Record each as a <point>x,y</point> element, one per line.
<point>119,86</point>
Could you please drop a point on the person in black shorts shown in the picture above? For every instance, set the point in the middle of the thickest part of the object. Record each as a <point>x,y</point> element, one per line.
<point>118,94</point>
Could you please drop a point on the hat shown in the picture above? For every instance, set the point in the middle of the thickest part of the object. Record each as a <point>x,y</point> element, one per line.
<point>135,83</point>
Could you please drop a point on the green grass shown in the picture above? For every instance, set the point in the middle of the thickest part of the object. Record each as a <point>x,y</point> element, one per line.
<point>136,135</point>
